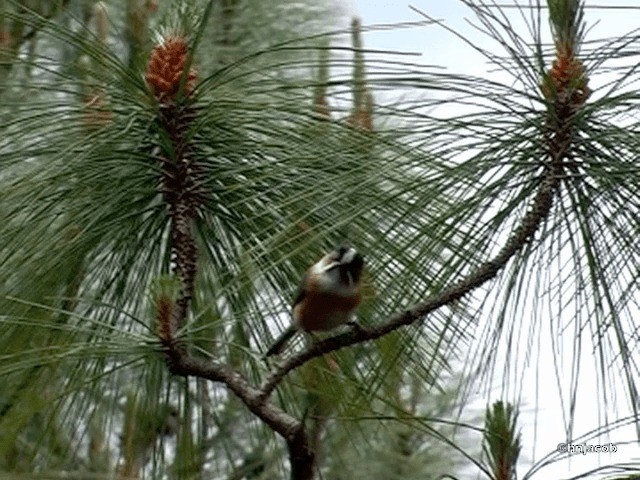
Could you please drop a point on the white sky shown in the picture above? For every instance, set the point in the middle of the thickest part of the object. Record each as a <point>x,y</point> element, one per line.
<point>438,47</point>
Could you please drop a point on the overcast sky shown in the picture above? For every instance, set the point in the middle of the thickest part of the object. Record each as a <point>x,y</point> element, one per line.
<point>438,47</point>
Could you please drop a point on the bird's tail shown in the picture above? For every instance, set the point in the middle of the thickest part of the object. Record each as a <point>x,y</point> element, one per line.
<point>280,343</point>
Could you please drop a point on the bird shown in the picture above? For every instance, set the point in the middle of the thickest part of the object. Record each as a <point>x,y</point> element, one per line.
<point>328,295</point>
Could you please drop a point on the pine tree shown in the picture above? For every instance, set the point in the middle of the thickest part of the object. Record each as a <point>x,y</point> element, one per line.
<point>169,170</point>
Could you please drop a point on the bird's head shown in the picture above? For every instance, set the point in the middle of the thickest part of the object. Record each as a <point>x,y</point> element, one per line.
<point>346,261</point>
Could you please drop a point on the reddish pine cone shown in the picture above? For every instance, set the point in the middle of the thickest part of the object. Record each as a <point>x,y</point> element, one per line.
<point>164,71</point>
<point>567,75</point>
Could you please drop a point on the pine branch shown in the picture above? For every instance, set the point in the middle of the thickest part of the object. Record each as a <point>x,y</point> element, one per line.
<point>521,236</point>
<point>183,194</point>
<point>501,440</point>
<point>565,98</point>
<point>185,364</point>
<point>182,362</point>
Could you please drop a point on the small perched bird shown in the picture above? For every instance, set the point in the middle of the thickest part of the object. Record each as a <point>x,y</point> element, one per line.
<point>327,297</point>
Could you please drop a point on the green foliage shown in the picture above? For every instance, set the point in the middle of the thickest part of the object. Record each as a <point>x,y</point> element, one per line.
<point>567,20</point>
<point>425,195</point>
<point>501,443</point>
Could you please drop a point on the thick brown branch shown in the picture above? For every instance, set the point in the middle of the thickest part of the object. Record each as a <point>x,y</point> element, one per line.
<point>185,256</point>
<point>182,363</point>
<point>302,457</point>
<point>181,186</point>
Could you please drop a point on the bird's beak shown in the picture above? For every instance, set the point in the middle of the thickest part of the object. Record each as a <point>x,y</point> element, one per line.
<point>331,266</point>
<point>348,257</point>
